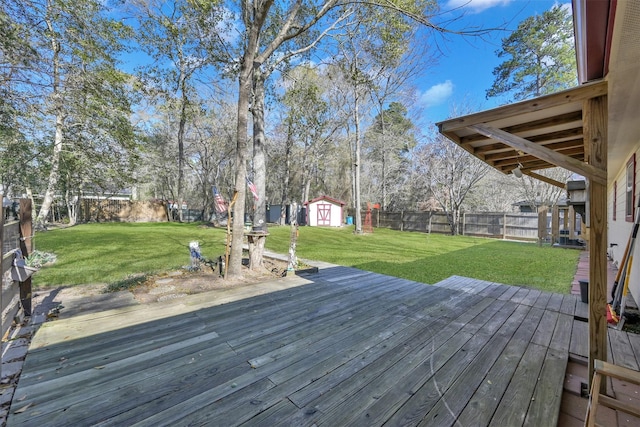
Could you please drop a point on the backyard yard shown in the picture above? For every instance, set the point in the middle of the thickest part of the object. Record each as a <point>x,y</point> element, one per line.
<point>111,252</point>
<point>308,350</point>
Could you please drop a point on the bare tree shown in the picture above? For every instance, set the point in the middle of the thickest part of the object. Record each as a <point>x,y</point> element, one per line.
<point>537,192</point>
<point>495,192</point>
<point>210,154</point>
<point>450,173</point>
<point>168,34</point>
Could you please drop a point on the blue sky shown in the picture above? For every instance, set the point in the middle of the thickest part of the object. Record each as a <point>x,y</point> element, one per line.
<point>465,70</point>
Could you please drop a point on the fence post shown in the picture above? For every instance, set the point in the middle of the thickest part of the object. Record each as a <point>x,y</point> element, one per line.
<point>542,225</point>
<point>555,224</point>
<point>464,221</point>
<point>504,226</point>
<point>26,246</point>
<point>401,220</point>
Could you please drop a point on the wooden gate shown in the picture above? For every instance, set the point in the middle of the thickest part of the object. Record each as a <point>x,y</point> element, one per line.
<point>15,289</point>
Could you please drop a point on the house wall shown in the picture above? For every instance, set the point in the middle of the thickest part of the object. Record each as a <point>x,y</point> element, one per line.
<point>619,228</point>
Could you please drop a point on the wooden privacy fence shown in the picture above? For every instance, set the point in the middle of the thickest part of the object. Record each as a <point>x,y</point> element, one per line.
<point>15,243</point>
<point>502,225</point>
<point>117,210</point>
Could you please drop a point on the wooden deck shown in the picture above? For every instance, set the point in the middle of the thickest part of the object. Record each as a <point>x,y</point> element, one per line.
<point>341,347</point>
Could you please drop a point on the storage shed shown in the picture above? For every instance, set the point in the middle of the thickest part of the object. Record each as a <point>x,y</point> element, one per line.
<point>325,211</point>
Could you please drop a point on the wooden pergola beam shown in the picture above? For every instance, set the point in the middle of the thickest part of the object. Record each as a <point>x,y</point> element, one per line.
<point>578,94</point>
<point>545,179</point>
<point>588,170</point>
<point>557,146</point>
<point>556,135</point>
<point>511,160</point>
<point>541,164</point>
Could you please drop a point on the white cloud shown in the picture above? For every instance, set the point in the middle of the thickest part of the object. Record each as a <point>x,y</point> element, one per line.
<point>436,94</point>
<point>475,6</point>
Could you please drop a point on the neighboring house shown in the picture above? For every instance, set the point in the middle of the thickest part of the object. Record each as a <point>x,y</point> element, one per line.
<point>526,206</point>
<point>592,130</point>
<point>325,211</point>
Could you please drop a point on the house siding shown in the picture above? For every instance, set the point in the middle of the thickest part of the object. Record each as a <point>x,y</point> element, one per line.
<point>620,228</point>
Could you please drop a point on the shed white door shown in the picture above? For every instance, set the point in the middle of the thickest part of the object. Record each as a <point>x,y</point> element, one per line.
<point>324,214</point>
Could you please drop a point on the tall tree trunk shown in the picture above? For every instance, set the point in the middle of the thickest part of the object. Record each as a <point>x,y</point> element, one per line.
<point>287,175</point>
<point>456,220</point>
<point>254,15</point>
<point>293,239</point>
<point>181,127</point>
<point>54,172</point>
<point>259,169</point>
<point>384,158</point>
<point>234,269</point>
<point>72,203</point>
<point>356,116</point>
<point>306,189</point>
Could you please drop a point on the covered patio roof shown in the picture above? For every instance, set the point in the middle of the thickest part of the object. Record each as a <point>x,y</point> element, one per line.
<point>536,134</point>
<point>566,129</point>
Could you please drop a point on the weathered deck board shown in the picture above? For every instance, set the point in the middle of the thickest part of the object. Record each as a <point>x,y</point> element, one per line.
<point>360,394</point>
<point>455,399</point>
<point>621,350</point>
<point>513,406</point>
<point>484,403</point>
<point>579,343</point>
<point>344,347</point>
<point>141,367</point>
<point>545,403</point>
<point>542,300</point>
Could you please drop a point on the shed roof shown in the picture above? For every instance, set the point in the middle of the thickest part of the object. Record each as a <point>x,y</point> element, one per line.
<point>327,198</point>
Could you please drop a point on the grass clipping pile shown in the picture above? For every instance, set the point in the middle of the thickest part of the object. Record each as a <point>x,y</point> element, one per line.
<point>188,281</point>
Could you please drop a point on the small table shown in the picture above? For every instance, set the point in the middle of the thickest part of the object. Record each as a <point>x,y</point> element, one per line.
<point>253,238</point>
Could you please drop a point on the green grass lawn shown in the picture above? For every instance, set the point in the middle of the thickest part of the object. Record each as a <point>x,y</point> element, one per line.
<point>107,253</point>
<point>431,258</point>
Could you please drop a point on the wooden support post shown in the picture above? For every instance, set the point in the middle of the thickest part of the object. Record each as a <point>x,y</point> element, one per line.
<point>542,225</point>
<point>1,270</point>
<point>571,218</point>
<point>555,224</point>
<point>595,138</point>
